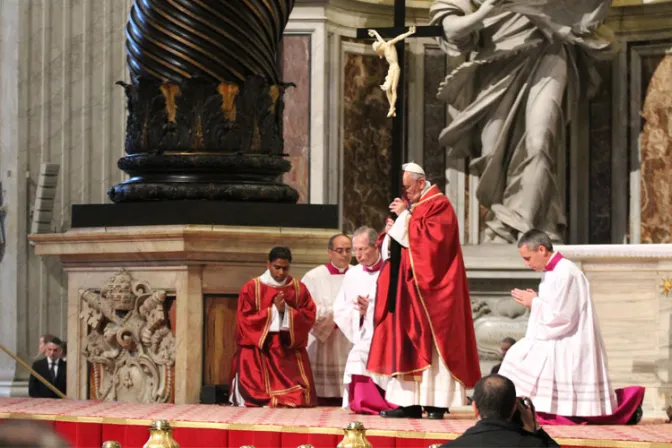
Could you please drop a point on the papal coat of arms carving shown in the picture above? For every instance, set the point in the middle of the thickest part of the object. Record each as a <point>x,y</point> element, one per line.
<point>129,344</point>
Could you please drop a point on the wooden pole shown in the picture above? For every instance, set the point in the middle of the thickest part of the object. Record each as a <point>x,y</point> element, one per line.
<point>32,372</point>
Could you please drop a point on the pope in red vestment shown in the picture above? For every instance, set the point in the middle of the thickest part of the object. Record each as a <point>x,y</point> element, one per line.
<point>424,334</point>
<point>274,316</point>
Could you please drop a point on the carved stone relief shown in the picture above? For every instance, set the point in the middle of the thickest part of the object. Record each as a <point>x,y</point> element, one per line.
<point>494,320</point>
<point>129,344</point>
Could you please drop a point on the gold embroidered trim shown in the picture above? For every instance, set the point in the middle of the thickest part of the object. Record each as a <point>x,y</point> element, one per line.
<point>306,391</point>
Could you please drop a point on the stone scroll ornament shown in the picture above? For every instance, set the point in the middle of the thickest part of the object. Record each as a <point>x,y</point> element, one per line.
<point>205,102</point>
<point>129,345</point>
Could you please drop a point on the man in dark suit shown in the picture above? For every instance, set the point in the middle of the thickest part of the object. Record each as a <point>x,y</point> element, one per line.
<point>504,421</point>
<point>52,368</point>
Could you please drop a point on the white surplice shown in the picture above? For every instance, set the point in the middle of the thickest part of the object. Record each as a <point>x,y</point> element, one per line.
<point>357,282</point>
<point>327,347</point>
<point>561,363</point>
<point>437,386</point>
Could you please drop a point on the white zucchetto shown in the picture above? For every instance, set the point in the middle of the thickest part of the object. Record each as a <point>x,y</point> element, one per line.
<point>413,168</point>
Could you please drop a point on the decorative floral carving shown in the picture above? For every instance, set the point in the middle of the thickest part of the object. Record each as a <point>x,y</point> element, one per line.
<point>130,344</point>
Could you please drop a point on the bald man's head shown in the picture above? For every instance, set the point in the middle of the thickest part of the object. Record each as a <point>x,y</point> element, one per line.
<point>495,397</point>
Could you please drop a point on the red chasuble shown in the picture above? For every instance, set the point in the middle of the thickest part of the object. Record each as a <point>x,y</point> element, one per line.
<point>273,368</point>
<point>432,305</point>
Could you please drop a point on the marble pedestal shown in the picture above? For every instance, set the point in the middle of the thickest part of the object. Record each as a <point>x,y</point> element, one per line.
<point>627,287</point>
<point>186,261</point>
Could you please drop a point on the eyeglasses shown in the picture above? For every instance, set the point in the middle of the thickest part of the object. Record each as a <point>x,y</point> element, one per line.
<point>342,250</point>
<point>362,249</point>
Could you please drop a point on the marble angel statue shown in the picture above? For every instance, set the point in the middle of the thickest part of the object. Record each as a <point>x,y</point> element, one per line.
<point>527,64</point>
<point>387,49</point>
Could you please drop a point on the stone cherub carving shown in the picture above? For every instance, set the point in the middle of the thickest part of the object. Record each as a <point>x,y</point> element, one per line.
<point>130,345</point>
<point>387,49</point>
<point>527,64</point>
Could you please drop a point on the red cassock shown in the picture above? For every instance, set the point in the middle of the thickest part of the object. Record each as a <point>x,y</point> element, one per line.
<point>432,304</point>
<point>273,368</point>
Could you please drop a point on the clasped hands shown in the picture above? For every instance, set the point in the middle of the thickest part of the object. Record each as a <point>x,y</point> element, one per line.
<point>362,304</point>
<point>279,301</point>
<point>523,297</point>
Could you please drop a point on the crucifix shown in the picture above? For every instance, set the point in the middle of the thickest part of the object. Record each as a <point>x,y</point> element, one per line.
<point>398,152</point>
<point>399,118</point>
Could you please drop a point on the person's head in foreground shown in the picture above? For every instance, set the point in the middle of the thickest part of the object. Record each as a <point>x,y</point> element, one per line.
<point>27,433</point>
<point>279,261</point>
<point>494,398</point>
<point>364,243</point>
<point>54,349</point>
<point>536,249</point>
<point>339,249</point>
<point>413,181</point>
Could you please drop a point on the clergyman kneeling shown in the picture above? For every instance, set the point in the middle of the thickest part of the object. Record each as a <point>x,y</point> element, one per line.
<point>503,419</point>
<point>275,313</point>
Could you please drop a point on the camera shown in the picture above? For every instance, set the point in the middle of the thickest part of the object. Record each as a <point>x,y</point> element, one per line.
<point>525,403</point>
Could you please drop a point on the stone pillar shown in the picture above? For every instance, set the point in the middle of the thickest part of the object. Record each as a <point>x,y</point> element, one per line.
<point>13,248</point>
<point>189,335</point>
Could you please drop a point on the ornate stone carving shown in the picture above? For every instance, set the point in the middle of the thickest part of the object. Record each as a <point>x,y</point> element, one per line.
<point>130,344</point>
<point>542,71</point>
<point>493,321</point>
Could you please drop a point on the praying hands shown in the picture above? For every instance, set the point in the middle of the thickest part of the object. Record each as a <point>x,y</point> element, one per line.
<point>362,304</point>
<point>524,297</point>
<point>279,301</point>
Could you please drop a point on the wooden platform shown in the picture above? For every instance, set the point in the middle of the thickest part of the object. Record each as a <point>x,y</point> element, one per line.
<point>89,423</point>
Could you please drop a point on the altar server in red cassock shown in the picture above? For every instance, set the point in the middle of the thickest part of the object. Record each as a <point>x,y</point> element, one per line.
<point>275,314</point>
<point>424,334</point>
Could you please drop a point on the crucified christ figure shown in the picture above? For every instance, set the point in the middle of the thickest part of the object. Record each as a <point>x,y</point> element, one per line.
<point>387,49</point>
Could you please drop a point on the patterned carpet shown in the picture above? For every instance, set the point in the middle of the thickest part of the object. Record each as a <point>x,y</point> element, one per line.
<point>319,420</point>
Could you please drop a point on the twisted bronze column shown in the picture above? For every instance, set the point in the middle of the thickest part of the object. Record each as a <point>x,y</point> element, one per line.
<point>205,102</point>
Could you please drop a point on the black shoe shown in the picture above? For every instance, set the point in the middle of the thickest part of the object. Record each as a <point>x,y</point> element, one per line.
<point>435,413</point>
<point>403,412</point>
<point>637,416</point>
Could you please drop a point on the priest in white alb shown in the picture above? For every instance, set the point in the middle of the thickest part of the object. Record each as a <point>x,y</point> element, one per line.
<point>561,363</point>
<point>353,313</point>
<point>328,348</point>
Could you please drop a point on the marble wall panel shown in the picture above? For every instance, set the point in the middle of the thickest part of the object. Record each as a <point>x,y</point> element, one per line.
<point>600,119</point>
<point>367,140</point>
<point>295,61</point>
<point>656,150</point>
<point>434,158</point>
